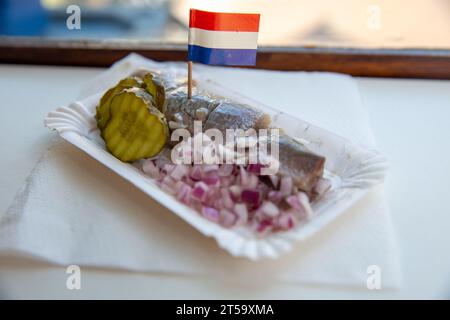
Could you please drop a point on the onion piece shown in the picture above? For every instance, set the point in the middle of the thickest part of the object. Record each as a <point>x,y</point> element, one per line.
<point>226,198</point>
<point>269,209</point>
<point>227,181</point>
<point>242,213</point>
<point>322,186</point>
<point>210,167</point>
<point>286,185</point>
<point>287,221</point>
<point>168,181</point>
<point>212,180</point>
<point>227,218</point>
<point>226,170</point>
<point>179,172</point>
<point>233,195</point>
<point>264,226</point>
<point>300,204</point>
<point>251,182</point>
<point>168,168</point>
<point>196,172</point>
<point>200,191</point>
<point>236,191</point>
<point>255,168</point>
<point>251,197</point>
<point>244,175</point>
<point>274,196</point>
<point>275,179</point>
<point>150,169</point>
<point>210,213</point>
<point>304,200</point>
<point>183,192</point>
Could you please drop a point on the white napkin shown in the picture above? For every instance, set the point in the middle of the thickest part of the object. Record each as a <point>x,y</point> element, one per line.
<point>72,210</point>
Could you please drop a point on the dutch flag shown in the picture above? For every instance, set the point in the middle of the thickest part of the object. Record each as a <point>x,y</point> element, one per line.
<point>223,38</point>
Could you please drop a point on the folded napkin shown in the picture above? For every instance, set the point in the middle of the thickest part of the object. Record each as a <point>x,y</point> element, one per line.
<point>73,210</point>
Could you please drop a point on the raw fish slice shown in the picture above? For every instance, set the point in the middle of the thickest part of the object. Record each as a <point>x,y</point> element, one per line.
<point>296,161</point>
<point>184,111</point>
<point>228,115</point>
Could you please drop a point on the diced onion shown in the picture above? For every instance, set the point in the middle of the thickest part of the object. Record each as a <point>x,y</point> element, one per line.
<point>233,195</point>
<point>270,209</point>
<point>211,214</point>
<point>286,185</point>
<point>251,197</point>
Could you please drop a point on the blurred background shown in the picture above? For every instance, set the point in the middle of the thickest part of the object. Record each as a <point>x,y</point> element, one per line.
<point>421,24</point>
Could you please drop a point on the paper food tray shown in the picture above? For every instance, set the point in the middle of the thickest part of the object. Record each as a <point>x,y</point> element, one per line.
<point>352,169</point>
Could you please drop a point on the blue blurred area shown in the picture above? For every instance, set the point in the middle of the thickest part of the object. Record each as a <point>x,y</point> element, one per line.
<point>22,17</point>
<point>112,20</point>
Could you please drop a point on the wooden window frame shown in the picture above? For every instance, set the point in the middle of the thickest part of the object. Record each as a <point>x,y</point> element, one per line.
<point>392,63</point>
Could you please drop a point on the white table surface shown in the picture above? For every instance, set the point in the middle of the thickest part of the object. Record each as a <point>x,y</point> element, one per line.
<point>411,122</point>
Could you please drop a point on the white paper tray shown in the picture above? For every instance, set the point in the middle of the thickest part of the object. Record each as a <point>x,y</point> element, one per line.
<point>352,169</point>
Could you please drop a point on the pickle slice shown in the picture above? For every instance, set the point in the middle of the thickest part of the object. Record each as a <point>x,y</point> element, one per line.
<point>156,89</point>
<point>102,114</point>
<point>136,129</point>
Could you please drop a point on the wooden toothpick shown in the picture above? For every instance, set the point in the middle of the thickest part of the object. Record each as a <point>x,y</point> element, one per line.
<point>189,79</point>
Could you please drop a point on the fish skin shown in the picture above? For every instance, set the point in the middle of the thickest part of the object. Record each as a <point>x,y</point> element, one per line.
<point>179,104</point>
<point>305,167</point>
<point>177,100</point>
<point>229,115</point>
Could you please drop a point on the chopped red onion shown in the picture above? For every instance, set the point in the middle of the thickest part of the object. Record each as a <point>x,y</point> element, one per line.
<point>244,175</point>
<point>200,190</point>
<point>264,226</point>
<point>179,171</point>
<point>150,169</point>
<point>322,186</point>
<point>196,172</point>
<point>189,181</point>
<point>251,182</point>
<point>226,198</point>
<point>215,203</point>
<point>286,221</point>
<point>255,168</point>
<point>167,188</point>
<point>286,185</point>
<point>161,162</point>
<point>168,168</point>
<point>251,197</point>
<point>274,196</point>
<point>242,213</point>
<point>210,167</point>
<point>300,204</point>
<point>236,191</point>
<point>226,170</point>
<point>263,188</point>
<point>270,209</point>
<point>275,179</point>
<point>168,181</point>
<point>183,192</point>
<point>304,200</point>
<point>227,181</point>
<point>212,180</point>
<point>227,218</point>
<point>211,214</point>
<point>294,202</point>
<point>233,195</point>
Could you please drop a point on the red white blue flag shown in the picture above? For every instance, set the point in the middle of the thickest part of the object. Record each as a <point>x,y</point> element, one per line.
<point>223,38</point>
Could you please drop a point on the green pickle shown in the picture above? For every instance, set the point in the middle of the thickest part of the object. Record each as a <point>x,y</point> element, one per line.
<point>102,114</point>
<point>156,89</point>
<point>135,129</point>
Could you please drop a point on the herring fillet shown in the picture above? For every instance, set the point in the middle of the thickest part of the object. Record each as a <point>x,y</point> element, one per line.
<point>305,167</point>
